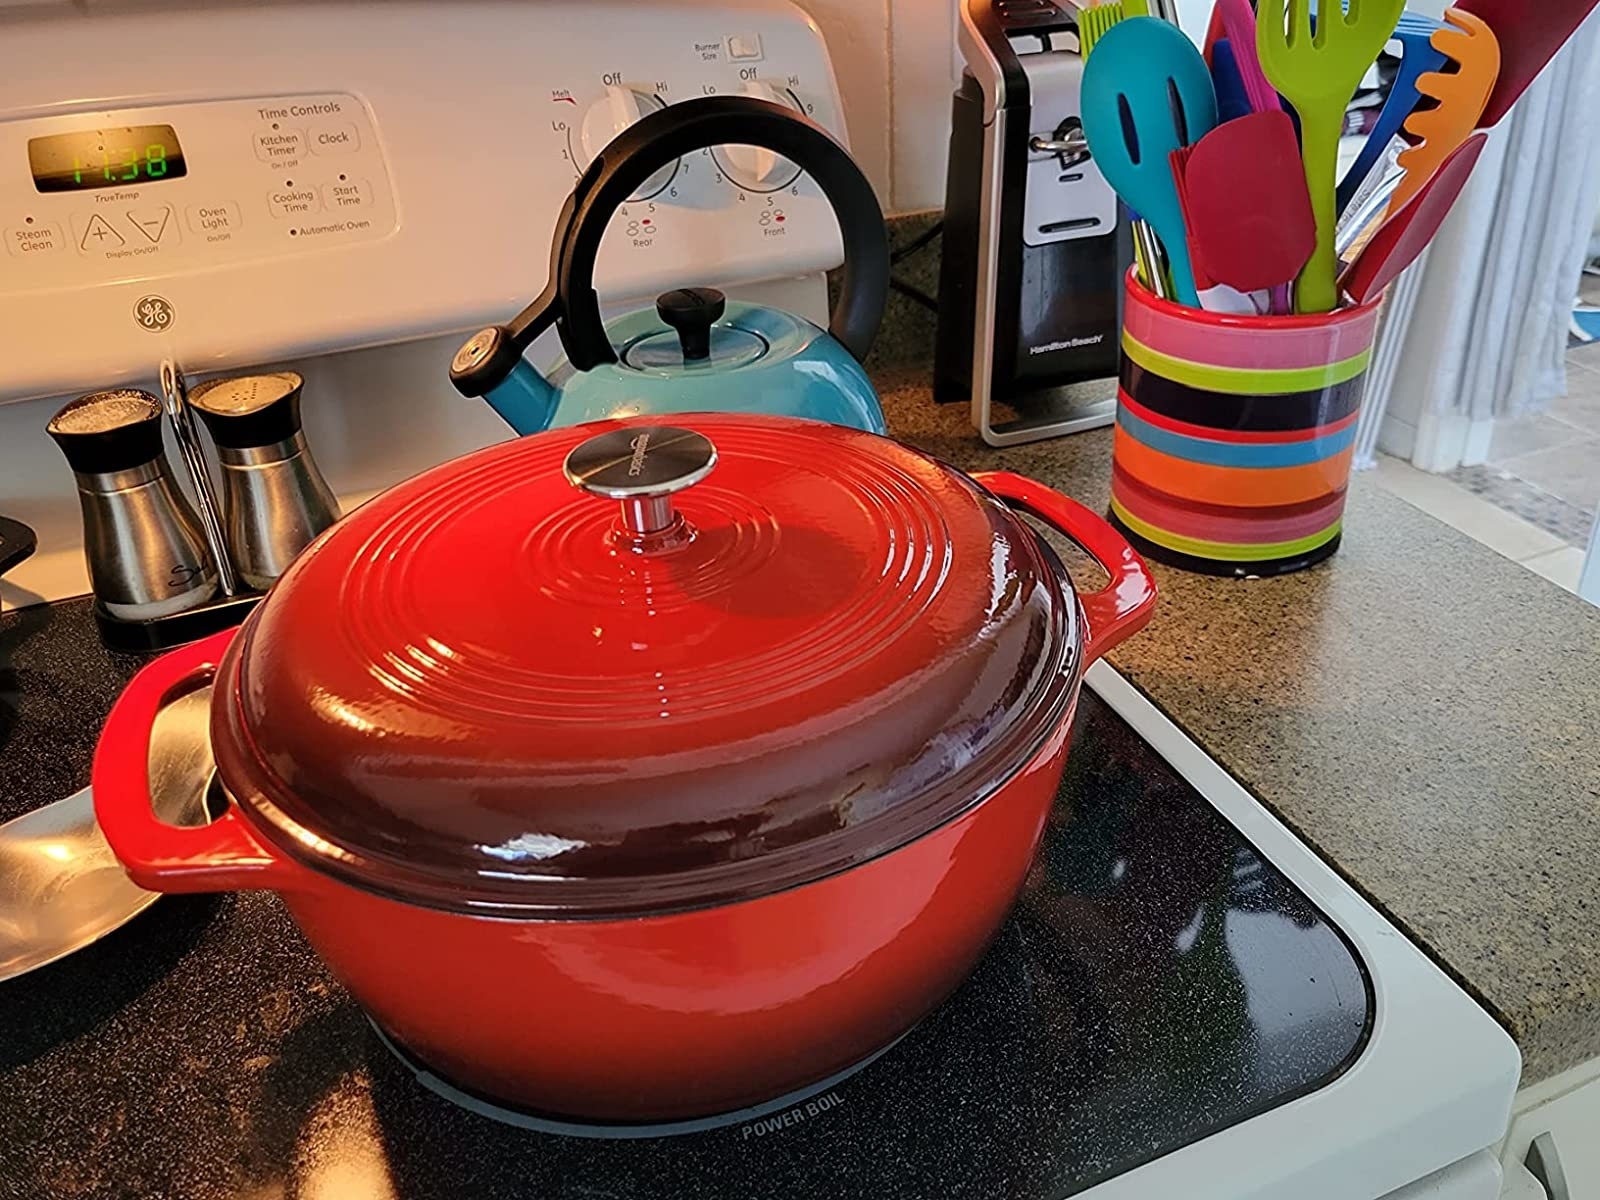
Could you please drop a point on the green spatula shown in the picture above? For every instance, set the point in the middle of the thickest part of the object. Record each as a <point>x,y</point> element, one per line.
<point>1318,73</point>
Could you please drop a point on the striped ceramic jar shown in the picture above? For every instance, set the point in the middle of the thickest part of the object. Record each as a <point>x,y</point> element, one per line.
<point>1235,434</point>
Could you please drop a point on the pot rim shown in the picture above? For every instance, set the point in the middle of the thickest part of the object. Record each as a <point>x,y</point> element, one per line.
<point>522,896</point>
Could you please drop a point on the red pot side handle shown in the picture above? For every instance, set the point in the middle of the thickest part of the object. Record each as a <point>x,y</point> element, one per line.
<point>1126,604</point>
<point>224,855</point>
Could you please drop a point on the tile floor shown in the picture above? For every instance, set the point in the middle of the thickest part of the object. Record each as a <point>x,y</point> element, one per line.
<point>1546,467</point>
<point>1536,500</point>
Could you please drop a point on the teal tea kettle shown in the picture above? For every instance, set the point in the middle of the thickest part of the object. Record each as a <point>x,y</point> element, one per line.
<point>697,351</point>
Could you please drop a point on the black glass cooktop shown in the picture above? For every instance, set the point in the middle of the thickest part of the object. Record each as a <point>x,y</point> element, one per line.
<point>1160,981</point>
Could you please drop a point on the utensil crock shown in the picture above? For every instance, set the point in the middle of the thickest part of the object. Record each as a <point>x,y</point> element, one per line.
<point>1235,434</point>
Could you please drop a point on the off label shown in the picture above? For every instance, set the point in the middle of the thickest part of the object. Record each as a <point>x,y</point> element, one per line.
<point>810,1110</point>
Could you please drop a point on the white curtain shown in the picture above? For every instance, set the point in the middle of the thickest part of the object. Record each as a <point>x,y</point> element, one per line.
<point>1477,329</point>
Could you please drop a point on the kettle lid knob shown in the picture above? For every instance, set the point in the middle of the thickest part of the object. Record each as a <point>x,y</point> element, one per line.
<point>692,312</point>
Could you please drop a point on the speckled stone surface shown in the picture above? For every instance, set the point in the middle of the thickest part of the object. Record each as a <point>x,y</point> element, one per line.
<point>1419,710</point>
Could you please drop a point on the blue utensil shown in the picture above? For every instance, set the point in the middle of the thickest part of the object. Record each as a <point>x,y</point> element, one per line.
<point>1417,59</point>
<point>1232,100</point>
<point>1146,92</point>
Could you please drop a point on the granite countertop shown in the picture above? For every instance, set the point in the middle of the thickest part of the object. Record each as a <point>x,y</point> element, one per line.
<point>1419,710</point>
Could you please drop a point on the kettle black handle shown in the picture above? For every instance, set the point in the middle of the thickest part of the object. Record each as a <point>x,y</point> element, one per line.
<point>570,302</point>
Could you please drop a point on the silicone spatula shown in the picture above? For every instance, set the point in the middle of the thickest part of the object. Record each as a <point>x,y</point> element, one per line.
<point>1418,57</point>
<point>1250,220</point>
<point>1145,93</point>
<point>1530,32</point>
<point>1318,72</point>
<point>1406,235</point>
<point>1470,43</point>
<point>1240,21</point>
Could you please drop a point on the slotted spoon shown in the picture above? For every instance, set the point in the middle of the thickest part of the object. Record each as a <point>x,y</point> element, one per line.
<point>1319,74</point>
<point>1417,59</point>
<point>1470,43</point>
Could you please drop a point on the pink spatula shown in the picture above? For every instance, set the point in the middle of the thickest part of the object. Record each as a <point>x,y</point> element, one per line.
<point>1406,234</point>
<point>1248,214</point>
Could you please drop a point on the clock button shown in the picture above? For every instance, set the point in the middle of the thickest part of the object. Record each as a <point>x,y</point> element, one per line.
<point>334,138</point>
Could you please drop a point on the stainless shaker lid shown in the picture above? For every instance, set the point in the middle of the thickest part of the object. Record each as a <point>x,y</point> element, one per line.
<point>109,431</point>
<point>246,411</point>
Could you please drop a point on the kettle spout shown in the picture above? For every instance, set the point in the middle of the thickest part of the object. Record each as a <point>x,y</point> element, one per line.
<point>525,400</point>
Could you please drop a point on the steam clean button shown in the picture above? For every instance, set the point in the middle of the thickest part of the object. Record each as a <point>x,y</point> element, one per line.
<point>35,241</point>
<point>335,137</point>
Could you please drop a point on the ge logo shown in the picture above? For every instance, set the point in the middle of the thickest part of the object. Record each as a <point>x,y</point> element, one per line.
<point>154,314</point>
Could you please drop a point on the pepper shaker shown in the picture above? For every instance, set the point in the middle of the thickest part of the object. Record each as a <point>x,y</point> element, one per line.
<point>274,499</point>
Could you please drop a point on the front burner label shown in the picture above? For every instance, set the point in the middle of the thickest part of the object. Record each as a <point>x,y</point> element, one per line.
<point>794,1116</point>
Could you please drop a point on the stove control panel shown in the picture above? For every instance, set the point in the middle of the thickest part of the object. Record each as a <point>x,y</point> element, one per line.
<point>321,175</point>
<point>131,193</point>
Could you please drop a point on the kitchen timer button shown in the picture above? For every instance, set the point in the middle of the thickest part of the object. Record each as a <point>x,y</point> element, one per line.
<point>283,146</point>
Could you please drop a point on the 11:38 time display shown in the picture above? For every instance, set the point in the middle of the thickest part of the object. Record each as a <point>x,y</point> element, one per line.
<point>101,158</point>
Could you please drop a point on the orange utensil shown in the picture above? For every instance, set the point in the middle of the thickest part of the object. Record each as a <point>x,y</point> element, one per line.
<point>1462,95</point>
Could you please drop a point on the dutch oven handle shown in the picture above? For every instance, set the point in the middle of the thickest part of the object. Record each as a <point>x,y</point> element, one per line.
<point>222,856</point>
<point>1122,607</point>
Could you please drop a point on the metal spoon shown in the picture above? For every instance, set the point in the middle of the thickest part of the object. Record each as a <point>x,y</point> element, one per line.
<point>61,887</point>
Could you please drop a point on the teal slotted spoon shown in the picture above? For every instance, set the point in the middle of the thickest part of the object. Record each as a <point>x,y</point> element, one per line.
<point>1145,93</point>
<point>1319,73</point>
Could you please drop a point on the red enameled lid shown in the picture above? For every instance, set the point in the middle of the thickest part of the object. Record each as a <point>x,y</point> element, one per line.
<point>625,668</point>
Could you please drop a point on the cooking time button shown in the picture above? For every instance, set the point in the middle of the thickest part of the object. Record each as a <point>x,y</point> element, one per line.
<point>291,201</point>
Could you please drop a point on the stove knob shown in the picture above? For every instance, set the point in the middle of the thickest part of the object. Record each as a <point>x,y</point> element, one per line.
<point>608,116</point>
<point>751,167</point>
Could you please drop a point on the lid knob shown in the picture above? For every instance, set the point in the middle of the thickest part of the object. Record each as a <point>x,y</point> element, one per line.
<point>692,312</point>
<point>642,466</point>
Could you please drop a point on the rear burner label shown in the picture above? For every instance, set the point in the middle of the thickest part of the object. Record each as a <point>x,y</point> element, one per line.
<point>800,1113</point>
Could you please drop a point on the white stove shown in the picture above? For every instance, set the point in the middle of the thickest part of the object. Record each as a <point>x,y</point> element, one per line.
<point>345,187</point>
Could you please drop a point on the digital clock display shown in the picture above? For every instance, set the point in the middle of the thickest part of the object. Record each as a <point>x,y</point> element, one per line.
<point>101,158</point>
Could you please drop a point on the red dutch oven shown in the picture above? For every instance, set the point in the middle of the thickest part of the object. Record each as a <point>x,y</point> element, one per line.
<point>632,773</point>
